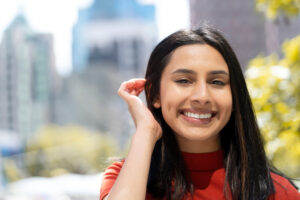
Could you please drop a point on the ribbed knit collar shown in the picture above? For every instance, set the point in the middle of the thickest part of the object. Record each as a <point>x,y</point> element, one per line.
<point>204,161</point>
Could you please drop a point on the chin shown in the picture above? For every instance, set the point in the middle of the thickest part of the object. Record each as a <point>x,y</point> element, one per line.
<point>199,137</point>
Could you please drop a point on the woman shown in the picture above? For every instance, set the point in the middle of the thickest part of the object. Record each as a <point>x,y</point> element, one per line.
<point>198,138</point>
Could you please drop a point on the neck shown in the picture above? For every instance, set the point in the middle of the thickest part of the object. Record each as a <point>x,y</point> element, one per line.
<point>194,146</point>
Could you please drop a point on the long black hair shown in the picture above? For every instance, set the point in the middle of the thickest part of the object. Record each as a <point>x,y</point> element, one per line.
<point>247,169</point>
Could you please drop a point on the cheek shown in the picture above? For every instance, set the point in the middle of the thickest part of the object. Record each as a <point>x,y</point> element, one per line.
<point>227,103</point>
<point>171,96</point>
<point>167,103</point>
<point>224,100</point>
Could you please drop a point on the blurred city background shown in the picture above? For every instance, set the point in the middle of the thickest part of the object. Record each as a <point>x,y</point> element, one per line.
<point>61,63</point>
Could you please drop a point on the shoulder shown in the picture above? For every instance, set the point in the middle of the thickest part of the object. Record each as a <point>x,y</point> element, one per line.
<point>109,177</point>
<point>284,189</point>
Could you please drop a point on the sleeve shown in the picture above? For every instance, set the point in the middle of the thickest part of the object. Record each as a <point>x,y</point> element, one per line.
<point>284,189</point>
<point>109,177</point>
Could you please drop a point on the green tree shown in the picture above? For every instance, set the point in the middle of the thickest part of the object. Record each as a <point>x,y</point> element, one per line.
<point>274,86</point>
<point>55,150</point>
<point>273,8</point>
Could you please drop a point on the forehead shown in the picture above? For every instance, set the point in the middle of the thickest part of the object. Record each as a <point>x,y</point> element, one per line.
<point>197,57</point>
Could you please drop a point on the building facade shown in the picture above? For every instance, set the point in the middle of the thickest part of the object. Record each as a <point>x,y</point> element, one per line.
<point>119,33</point>
<point>248,31</point>
<point>26,72</point>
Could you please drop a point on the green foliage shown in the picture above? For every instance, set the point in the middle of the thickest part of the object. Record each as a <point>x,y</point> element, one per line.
<point>273,8</point>
<point>55,150</point>
<point>274,85</point>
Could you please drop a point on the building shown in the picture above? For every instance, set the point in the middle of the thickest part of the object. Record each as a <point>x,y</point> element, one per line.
<point>248,31</point>
<point>26,72</point>
<point>119,33</point>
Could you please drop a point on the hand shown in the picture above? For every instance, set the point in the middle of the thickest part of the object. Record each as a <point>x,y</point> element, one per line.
<point>142,117</point>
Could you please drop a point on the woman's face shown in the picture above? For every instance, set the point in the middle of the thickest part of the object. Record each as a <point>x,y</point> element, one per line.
<point>195,97</point>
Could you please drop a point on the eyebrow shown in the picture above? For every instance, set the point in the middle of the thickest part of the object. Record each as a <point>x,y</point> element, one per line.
<point>184,71</point>
<point>219,72</point>
<point>188,71</point>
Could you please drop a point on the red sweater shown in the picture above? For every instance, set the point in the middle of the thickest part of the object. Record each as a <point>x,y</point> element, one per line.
<point>208,176</point>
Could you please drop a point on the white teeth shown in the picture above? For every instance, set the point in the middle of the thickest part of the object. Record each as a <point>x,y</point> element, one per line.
<point>198,116</point>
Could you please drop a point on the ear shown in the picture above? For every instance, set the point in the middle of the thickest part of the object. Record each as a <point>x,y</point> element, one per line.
<point>156,103</point>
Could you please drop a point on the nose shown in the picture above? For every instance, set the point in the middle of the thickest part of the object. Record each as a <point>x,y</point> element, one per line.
<point>200,94</point>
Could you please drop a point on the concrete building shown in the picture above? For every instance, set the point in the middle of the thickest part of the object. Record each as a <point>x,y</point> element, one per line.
<point>26,70</point>
<point>118,33</point>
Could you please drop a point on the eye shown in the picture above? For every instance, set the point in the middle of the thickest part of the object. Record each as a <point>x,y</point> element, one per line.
<point>183,81</point>
<point>218,82</point>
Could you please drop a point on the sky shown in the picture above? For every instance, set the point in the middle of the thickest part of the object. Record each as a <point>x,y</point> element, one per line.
<point>59,16</point>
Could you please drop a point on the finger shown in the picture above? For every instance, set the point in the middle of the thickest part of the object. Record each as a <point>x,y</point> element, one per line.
<point>123,90</point>
<point>138,83</point>
<point>138,92</point>
<point>133,86</point>
<point>139,86</point>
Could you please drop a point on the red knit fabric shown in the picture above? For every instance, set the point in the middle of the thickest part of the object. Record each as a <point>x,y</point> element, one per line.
<point>208,175</point>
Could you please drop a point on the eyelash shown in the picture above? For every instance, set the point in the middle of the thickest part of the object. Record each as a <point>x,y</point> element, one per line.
<point>186,81</point>
<point>217,82</point>
<point>183,81</point>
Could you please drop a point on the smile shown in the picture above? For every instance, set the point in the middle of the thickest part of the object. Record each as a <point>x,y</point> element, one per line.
<point>198,116</point>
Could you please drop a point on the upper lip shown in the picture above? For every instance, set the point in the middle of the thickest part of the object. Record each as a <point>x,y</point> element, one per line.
<point>198,111</point>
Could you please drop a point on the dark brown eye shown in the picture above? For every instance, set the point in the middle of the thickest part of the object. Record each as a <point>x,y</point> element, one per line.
<point>182,81</point>
<point>217,82</point>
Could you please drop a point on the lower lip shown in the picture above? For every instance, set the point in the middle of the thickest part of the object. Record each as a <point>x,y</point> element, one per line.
<point>197,121</point>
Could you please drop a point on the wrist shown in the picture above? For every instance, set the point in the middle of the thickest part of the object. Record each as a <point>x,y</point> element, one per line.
<point>145,137</point>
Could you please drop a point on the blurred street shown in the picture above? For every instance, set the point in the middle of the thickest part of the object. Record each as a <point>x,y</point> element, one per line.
<point>64,187</point>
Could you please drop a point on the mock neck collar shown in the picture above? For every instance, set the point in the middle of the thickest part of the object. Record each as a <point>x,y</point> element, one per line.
<point>204,161</point>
